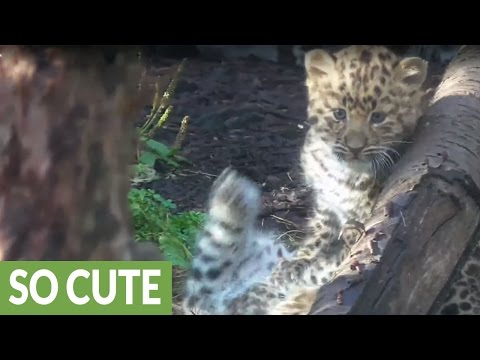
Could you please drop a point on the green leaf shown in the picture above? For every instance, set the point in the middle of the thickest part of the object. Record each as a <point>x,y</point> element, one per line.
<point>160,149</point>
<point>180,158</point>
<point>148,158</point>
<point>172,163</point>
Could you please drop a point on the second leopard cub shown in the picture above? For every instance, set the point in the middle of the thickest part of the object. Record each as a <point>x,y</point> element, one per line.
<point>363,103</point>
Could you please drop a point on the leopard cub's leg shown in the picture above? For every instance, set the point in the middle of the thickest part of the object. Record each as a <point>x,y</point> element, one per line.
<point>294,282</point>
<point>292,285</point>
<point>319,256</point>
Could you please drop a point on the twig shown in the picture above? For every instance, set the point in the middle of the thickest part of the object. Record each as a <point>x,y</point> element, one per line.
<point>200,173</point>
<point>288,174</point>
<point>403,219</point>
<point>283,220</point>
<point>288,232</point>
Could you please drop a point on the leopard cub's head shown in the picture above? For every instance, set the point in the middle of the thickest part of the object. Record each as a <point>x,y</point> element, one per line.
<point>364,101</point>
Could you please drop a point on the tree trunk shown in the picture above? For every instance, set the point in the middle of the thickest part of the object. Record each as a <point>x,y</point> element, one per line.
<point>66,141</point>
<point>419,250</point>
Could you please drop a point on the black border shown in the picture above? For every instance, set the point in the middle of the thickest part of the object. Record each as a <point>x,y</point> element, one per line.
<point>327,23</point>
<point>250,337</point>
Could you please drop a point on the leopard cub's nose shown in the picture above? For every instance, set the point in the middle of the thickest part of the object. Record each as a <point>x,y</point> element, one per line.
<point>355,142</point>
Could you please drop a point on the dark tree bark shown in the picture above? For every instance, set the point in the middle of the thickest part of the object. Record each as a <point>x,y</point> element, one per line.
<point>425,228</point>
<point>66,142</point>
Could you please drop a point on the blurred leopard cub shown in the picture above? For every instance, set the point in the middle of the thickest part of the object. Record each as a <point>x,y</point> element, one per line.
<point>363,104</point>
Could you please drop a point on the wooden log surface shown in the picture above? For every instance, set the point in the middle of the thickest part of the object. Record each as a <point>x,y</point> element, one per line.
<point>426,222</point>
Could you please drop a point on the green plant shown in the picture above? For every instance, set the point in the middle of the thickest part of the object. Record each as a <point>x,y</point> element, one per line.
<point>154,220</point>
<point>151,150</point>
<point>154,150</point>
<point>154,217</point>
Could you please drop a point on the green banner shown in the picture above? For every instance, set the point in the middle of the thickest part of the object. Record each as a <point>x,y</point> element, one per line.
<point>85,288</point>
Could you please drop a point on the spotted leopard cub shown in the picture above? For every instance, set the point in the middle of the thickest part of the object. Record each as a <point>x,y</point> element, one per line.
<point>231,254</point>
<point>364,104</point>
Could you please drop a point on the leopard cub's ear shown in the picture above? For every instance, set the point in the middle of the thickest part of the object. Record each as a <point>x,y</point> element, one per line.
<point>412,71</point>
<point>319,63</point>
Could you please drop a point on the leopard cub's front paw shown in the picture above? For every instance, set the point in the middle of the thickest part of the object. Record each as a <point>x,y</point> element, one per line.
<point>351,232</point>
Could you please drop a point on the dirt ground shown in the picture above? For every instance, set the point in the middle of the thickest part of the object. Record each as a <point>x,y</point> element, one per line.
<point>247,114</point>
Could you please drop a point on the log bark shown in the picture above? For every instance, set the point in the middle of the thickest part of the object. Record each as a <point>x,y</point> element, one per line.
<point>66,142</point>
<point>425,227</point>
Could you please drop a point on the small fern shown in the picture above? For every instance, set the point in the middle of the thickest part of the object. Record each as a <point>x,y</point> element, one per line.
<point>154,220</point>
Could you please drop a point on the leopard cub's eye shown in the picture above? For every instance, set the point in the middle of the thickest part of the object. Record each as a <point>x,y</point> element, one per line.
<point>340,114</point>
<point>377,118</point>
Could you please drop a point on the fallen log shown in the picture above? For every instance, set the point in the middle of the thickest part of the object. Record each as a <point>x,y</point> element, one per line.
<point>419,251</point>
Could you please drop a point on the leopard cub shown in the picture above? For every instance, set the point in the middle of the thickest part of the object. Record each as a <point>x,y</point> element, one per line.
<point>364,103</point>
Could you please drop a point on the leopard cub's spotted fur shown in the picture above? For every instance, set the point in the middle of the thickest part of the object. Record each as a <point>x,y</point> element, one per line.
<point>463,294</point>
<point>363,103</point>
<point>231,255</point>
